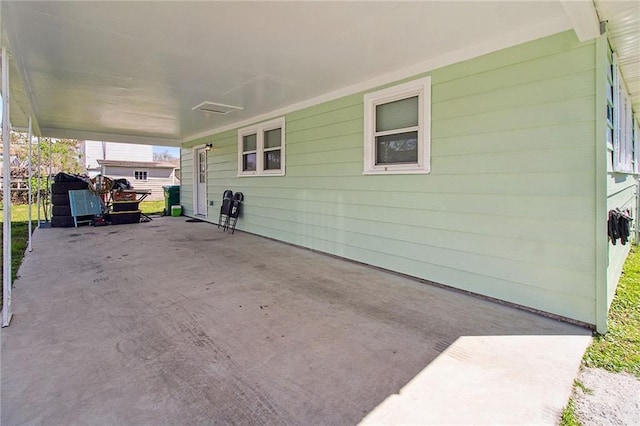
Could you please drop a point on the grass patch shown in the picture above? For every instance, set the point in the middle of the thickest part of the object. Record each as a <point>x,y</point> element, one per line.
<point>19,235</point>
<point>577,384</point>
<point>569,417</point>
<point>619,349</point>
<point>152,207</point>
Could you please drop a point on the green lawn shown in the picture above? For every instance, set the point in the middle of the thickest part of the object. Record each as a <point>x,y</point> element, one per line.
<point>619,349</point>
<point>19,234</point>
<point>569,417</point>
<point>151,207</point>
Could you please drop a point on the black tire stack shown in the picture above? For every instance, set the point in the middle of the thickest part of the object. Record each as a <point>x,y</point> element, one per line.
<point>61,210</point>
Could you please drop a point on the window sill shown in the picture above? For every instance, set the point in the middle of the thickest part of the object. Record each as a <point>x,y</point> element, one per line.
<point>260,174</point>
<point>397,171</point>
<point>624,172</point>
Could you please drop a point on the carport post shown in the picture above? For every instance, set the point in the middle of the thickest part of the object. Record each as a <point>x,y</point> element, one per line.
<point>50,202</point>
<point>6,193</point>
<point>29,247</point>
<point>38,181</point>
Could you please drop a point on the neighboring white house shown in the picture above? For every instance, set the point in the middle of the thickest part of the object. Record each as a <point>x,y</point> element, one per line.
<point>142,174</point>
<point>96,150</point>
<point>133,162</point>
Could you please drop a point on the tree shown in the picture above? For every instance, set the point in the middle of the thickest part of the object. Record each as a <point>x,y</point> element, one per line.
<point>164,156</point>
<point>61,155</point>
<point>64,154</point>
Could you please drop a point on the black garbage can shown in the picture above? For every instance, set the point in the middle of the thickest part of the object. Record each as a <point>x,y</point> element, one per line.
<point>171,198</point>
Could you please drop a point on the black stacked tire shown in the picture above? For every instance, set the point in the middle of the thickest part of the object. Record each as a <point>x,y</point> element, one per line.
<point>61,211</point>
<point>62,221</point>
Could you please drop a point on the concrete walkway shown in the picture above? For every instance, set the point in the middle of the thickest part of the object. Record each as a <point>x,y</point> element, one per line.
<point>176,323</point>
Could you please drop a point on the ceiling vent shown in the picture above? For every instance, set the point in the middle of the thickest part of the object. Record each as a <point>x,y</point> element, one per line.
<point>215,108</point>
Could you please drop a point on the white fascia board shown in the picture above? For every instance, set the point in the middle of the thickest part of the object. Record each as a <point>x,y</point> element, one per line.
<point>583,17</point>
<point>108,137</point>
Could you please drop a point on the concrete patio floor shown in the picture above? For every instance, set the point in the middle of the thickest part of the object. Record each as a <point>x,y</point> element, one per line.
<point>176,323</point>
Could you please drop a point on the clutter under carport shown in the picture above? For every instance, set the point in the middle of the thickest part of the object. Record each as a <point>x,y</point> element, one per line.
<point>99,201</point>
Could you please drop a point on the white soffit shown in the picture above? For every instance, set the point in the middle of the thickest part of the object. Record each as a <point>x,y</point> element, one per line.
<point>623,25</point>
<point>138,68</point>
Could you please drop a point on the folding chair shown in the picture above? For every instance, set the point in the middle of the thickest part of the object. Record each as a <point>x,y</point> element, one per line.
<point>225,209</point>
<point>238,197</point>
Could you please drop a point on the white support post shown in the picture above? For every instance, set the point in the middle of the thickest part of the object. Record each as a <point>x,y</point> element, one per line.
<point>38,200</point>
<point>6,188</point>
<point>29,246</point>
<point>50,202</point>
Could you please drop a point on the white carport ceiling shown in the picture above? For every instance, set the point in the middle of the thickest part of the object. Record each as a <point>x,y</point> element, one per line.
<point>133,71</point>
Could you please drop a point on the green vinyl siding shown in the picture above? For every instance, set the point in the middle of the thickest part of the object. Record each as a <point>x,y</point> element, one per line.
<point>507,210</point>
<point>621,193</point>
<point>614,190</point>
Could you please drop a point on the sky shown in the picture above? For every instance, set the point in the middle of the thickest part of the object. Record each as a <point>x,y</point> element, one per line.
<point>173,150</point>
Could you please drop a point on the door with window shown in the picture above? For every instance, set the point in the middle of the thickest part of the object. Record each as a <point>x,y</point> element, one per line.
<point>201,182</point>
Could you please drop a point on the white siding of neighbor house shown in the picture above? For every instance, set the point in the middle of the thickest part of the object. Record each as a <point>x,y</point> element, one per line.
<point>156,179</point>
<point>95,150</point>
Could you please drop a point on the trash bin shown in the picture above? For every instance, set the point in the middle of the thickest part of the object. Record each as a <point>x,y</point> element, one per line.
<point>171,197</point>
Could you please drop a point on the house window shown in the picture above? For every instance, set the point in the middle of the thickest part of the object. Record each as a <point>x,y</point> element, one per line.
<point>261,149</point>
<point>621,127</point>
<point>397,135</point>
<point>249,151</point>
<point>140,175</point>
<point>611,70</point>
<point>635,140</point>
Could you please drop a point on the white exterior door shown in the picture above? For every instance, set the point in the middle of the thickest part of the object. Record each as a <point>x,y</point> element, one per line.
<point>201,182</point>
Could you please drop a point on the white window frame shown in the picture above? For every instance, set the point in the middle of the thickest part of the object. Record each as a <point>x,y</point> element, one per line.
<point>146,173</point>
<point>259,130</point>
<point>625,152</point>
<point>611,96</point>
<point>636,145</point>
<point>420,88</point>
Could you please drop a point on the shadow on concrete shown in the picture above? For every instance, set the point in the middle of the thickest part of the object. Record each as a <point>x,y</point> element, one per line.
<point>171,322</point>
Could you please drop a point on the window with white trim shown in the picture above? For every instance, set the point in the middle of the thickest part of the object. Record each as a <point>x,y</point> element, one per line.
<point>397,135</point>
<point>261,149</point>
<point>140,175</point>
<point>635,141</point>
<point>622,139</point>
